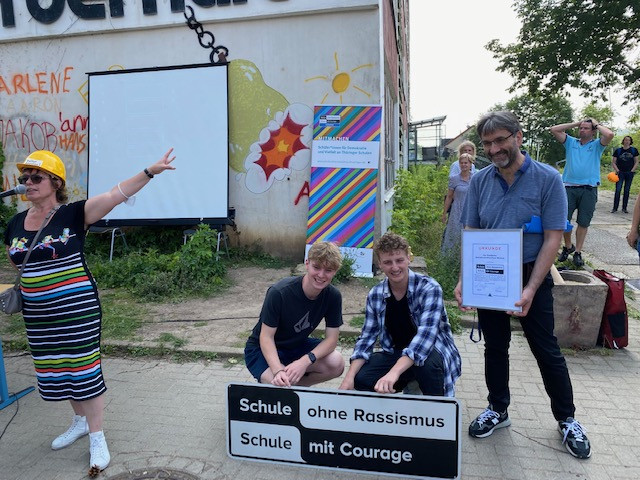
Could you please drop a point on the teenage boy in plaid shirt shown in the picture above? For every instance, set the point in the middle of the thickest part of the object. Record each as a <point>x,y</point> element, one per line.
<point>406,312</point>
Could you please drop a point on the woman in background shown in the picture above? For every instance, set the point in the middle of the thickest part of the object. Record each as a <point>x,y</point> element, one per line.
<point>625,163</point>
<point>456,194</point>
<point>465,147</point>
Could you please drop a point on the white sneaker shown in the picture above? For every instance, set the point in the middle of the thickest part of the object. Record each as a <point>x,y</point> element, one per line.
<point>100,457</point>
<point>79,428</point>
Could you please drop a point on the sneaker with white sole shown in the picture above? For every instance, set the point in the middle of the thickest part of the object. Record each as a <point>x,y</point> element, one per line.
<point>100,457</point>
<point>79,428</point>
<point>574,437</point>
<point>487,422</point>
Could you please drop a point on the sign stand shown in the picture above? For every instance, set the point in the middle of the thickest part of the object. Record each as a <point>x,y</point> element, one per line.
<point>5,398</point>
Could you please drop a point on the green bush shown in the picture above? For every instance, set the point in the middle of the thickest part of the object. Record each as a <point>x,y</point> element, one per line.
<point>345,272</point>
<point>150,275</point>
<point>418,204</point>
<point>417,214</point>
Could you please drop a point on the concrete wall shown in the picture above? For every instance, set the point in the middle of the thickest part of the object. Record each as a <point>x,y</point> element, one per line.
<point>285,57</point>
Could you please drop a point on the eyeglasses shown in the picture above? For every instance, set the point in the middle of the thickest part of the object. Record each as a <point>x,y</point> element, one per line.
<point>35,178</point>
<point>500,142</point>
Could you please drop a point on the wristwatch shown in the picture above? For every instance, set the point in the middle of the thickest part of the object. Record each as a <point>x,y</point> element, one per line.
<point>312,357</point>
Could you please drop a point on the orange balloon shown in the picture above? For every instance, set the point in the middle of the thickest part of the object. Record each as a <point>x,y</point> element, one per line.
<point>613,177</point>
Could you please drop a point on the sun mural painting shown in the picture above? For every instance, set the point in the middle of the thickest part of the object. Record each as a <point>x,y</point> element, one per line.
<point>341,80</point>
<point>283,146</point>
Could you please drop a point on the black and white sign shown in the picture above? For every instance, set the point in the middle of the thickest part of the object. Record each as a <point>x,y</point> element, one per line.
<point>406,435</point>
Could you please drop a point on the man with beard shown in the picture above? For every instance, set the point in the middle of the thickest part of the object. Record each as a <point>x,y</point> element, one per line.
<point>581,178</point>
<point>505,196</point>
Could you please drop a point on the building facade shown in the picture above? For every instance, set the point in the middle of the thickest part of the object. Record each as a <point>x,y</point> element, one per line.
<point>285,57</point>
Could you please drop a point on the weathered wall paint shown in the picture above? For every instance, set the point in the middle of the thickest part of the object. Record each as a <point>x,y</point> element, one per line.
<point>275,79</point>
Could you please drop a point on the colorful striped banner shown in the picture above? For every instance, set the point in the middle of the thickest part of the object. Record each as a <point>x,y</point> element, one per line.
<point>344,180</point>
<point>347,123</point>
<point>342,206</point>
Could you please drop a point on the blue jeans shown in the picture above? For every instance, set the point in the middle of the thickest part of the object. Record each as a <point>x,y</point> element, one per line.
<point>627,178</point>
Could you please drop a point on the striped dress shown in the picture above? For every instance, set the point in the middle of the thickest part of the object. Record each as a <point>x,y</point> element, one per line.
<point>61,308</point>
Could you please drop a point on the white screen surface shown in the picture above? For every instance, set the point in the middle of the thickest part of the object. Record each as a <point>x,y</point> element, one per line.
<point>136,116</point>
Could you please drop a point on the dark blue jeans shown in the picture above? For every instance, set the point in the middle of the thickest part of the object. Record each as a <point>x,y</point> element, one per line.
<point>538,329</point>
<point>430,376</point>
<point>627,178</point>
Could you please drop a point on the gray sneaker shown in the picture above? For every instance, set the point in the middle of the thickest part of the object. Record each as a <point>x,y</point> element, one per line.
<point>487,422</point>
<point>574,437</point>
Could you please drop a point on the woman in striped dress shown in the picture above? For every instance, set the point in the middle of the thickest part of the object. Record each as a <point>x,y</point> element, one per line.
<point>61,308</point>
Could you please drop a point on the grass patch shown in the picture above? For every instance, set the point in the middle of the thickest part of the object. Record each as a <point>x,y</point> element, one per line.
<point>121,315</point>
<point>255,256</point>
<point>12,325</point>
<point>454,319</point>
<point>171,339</point>
<point>357,321</point>
<point>160,352</point>
<point>576,351</point>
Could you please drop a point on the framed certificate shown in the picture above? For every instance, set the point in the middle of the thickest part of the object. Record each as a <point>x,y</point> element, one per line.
<point>491,269</point>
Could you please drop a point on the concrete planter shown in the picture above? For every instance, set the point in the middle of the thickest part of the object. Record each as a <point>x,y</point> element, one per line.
<point>579,300</point>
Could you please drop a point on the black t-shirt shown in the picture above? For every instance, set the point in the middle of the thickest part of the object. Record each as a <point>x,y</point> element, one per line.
<point>624,158</point>
<point>397,321</point>
<point>63,235</point>
<point>295,316</point>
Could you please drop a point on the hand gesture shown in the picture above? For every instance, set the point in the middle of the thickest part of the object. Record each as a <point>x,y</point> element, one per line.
<point>163,164</point>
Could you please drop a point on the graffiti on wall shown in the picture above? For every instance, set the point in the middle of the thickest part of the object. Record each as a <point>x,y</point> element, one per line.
<point>37,113</point>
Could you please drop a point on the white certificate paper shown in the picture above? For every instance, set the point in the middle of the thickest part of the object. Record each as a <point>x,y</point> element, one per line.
<point>492,269</point>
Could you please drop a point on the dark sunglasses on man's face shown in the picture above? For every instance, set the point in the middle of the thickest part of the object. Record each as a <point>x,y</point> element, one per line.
<point>35,178</point>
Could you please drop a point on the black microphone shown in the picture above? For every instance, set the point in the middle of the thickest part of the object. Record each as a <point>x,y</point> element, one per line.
<point>19,190</point>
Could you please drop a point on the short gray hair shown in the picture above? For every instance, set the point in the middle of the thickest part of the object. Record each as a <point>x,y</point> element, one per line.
<point>493,121</point>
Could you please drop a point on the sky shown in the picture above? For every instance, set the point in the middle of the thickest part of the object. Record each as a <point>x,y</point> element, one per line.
<point>452,74</point>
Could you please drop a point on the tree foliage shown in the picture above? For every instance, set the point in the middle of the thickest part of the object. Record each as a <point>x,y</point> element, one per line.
<point>587,44</point>
<point>536,114</point>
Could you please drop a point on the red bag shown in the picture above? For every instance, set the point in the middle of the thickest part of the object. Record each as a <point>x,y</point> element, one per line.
<point>614,330</point>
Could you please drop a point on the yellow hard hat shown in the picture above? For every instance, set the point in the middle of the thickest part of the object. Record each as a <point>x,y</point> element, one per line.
<point>47,162</point>
<point>613,177</point>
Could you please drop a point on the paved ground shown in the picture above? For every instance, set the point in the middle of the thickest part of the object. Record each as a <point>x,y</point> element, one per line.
<point>162,414</point>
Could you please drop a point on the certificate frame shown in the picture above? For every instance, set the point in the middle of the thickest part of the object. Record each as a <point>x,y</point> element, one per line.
<point>491,269</point>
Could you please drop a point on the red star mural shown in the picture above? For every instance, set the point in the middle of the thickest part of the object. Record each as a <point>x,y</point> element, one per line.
<point>281,146</point>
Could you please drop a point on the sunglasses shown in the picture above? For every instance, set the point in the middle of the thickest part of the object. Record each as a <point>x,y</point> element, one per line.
<point>35,178</point>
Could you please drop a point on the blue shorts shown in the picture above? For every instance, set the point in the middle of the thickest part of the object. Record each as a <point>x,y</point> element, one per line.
<point>638,248</point>
<point>257,364</point>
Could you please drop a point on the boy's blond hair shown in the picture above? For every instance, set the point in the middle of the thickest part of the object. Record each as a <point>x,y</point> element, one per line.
<point>390,242</point>
<point>326,254</point>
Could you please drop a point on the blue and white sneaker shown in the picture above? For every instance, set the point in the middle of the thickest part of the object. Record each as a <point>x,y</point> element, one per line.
<point>487,422</point>
<point>574,437</point>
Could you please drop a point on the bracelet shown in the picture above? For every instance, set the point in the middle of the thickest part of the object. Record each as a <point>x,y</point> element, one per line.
<point>148,173</point>
<point>276,374</point>
<point>123,194</point>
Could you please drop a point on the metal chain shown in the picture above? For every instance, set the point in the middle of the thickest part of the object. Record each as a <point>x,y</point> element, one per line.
<point>206,38</point>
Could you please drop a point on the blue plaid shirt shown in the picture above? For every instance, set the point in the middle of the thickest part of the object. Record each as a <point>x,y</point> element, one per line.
<point>426,305</point>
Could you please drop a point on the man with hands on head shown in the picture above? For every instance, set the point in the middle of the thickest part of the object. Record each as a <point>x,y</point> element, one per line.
<point>406,313</point>
<point>279,350</point>
<point>581,178</point>
<point>506,195</point>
